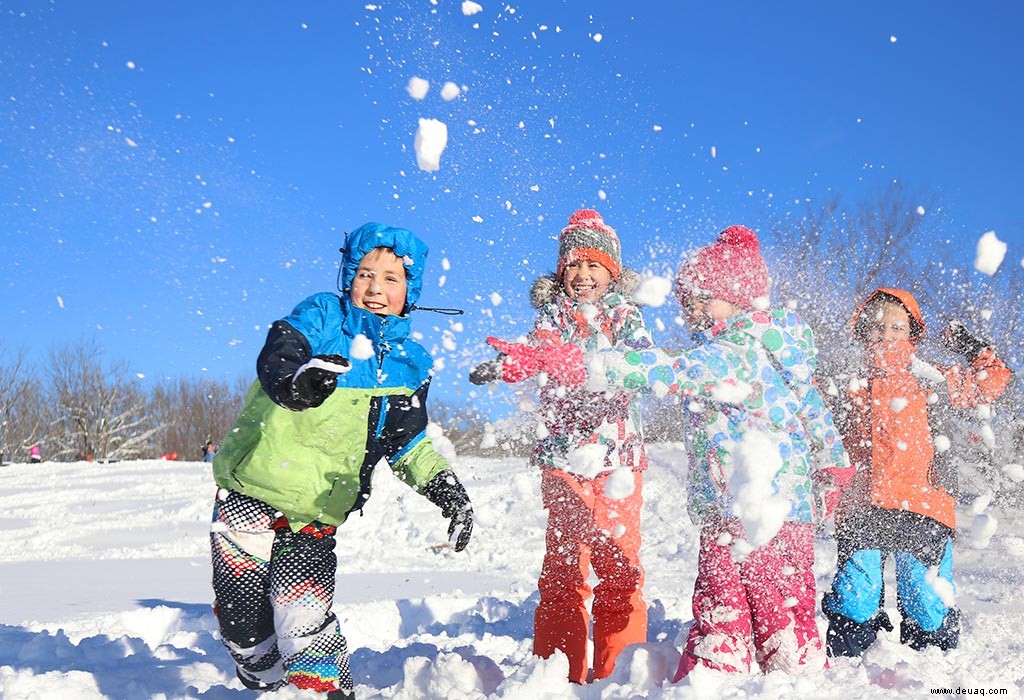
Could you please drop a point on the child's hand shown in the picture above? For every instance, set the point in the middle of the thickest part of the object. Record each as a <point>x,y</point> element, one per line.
<point>487,372</point>
<point>316,380</point>
<point>447,492</point>
<point>564,364</point>
<point>521,361</point>
<point>957,338</point>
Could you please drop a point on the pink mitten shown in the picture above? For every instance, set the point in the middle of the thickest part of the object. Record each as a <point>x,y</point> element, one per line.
<point>832,481</point>
<point>564,364</point>
<point>521,361</point>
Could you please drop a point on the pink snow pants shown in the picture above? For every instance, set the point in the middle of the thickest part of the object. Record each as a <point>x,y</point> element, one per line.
<point>762,606</point>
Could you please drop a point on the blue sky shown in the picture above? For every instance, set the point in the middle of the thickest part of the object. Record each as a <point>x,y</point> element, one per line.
<point>176,176</point>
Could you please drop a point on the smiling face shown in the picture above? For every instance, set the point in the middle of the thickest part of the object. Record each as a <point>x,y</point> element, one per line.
<point>585,281</point>
<point>379,285</point>
<point>886,322</point>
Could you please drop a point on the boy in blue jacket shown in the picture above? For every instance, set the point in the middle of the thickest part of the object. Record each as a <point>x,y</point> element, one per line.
<point>341,387</point>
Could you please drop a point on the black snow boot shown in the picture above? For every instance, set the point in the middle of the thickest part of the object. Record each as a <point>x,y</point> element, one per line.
<point>848,638</point>
<point>341,695</point>
<point>946,637</point>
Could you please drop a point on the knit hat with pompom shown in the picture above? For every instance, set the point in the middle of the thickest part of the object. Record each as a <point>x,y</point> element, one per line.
<point>730,269</point>
<point>588,237</point>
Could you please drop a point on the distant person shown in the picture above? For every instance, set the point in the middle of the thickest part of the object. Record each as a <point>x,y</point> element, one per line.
<point>168,456</point>
<point>761,444</point>
<point>34,455</point>
<point>903,498</point>
<point>593,518</point>
<point>209,450</point>
<point>341,387</point>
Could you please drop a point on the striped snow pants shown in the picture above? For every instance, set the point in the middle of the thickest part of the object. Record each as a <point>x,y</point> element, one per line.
<point>274,589</point>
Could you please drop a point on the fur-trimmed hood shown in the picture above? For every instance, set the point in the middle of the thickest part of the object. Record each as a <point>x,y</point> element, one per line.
<point>546,289</point>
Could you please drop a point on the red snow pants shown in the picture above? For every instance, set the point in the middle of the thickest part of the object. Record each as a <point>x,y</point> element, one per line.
<point>587,527</point>
<point>763,605</point>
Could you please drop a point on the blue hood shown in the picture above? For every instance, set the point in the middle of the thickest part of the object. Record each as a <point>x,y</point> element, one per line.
<point>405,244</point>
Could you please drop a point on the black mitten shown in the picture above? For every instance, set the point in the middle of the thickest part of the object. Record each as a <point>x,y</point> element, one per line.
<point>487,372</point>
<point>957,338</point>
<point>315,380</point>
<point>447,493</point>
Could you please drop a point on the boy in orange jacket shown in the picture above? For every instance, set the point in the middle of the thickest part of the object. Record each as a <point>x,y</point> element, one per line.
<point>901,501</point>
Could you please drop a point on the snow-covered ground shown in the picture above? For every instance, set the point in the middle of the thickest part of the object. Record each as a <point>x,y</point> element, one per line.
<point>104,593</point>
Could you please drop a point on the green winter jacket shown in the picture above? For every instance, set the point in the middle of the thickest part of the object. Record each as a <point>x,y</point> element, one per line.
<point>315,464</point>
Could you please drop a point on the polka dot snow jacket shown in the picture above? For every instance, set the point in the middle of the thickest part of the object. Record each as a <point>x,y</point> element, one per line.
<point>751,372</point>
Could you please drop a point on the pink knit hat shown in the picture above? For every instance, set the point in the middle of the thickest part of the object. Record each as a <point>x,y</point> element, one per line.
<point>730,269</point>
<point>590,238</point>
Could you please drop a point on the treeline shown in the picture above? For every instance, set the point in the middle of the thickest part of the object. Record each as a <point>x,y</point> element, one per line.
<point>79,407</point>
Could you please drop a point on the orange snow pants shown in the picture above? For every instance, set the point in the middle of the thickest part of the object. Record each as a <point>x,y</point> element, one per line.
<point>587,527</point>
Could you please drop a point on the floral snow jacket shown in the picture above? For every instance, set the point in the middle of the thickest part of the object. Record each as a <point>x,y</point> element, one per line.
<point>751,372</point>
<point>607,423</point>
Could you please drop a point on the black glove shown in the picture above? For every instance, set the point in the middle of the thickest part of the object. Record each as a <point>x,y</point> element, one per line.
<point>447,493</point>
<point>487,372</point>
<point>957,338</point>
<point>315,380</point>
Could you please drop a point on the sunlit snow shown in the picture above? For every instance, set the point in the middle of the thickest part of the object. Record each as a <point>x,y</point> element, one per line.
<point>431,139</point>
<point>989,253</point>
<point>417,88</point>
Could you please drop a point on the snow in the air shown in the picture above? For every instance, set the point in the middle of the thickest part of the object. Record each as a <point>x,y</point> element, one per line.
<point>417,88</point>
<point>431,140</point>
<point>989,255</point>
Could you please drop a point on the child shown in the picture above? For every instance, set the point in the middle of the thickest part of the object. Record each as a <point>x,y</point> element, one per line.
<point>340,387</point>
<point>902,498</point>
<point>592,519</point>
<point>761,439</point>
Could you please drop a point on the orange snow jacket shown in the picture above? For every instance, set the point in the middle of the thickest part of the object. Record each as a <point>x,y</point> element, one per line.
<point>888,434</point>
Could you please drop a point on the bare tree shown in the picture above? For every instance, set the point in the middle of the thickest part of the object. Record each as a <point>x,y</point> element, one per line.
<point>21,405</point>
<point>97,412</point>
<point>192,412</point>
<point>830,259</point>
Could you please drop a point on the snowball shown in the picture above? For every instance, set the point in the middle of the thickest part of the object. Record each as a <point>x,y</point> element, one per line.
<point>620,484</point>
<point>981,529</point>
<point>761,510</point>
<point>652,291</point>
<point>898,404</point>
<point>989,255</point>
<point>361,348</point>
<point>943,588</point>
<point>588,460</point>
<point>442,444</point>
<point>417,88</point>
<point>941,443</point>
<point>431,139</point>
<point>731,393</point>
<point>1015,472</point>
<point>471,8</point>
<point>495,299</point>
<point>598,37</point>
<point>449,92</point>
<point>980,503</point>
<point>920,211</point>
